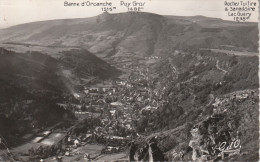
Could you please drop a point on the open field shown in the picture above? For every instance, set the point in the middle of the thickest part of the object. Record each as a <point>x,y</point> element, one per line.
<point>53,138</point>
<point>78,154</point>
<point>237,53</point>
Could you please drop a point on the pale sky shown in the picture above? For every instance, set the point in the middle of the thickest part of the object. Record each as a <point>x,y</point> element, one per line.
<point>13,12</point>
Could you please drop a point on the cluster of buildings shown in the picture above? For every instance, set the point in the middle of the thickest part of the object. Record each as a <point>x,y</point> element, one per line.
<point>119,105</point>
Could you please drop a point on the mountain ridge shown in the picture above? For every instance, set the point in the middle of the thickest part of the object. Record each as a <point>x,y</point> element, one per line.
<point>135,34</point>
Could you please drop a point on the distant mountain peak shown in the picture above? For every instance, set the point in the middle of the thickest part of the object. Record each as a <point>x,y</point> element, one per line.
<point>105,13</point>
<point>103,17</point>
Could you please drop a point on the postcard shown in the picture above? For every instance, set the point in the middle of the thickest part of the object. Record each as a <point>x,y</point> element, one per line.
<point>129,80</point>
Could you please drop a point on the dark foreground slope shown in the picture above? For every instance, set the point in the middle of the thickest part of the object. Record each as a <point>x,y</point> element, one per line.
<point>32,83</point>
<point>29,89</point>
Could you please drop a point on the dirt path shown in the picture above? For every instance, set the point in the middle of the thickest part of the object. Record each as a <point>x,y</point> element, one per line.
<point>219,68</point>
<point>113,157</point>
<point>211,100</point>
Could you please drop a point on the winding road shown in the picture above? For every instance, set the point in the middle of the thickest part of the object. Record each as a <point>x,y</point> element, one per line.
<point>219,68</point>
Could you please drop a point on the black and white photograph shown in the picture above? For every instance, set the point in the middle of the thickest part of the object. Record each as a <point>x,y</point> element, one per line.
<point>129,80</point>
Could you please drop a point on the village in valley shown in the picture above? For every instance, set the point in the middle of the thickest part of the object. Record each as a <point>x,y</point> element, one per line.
<point>132,86</point>
<point>106,120</point>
